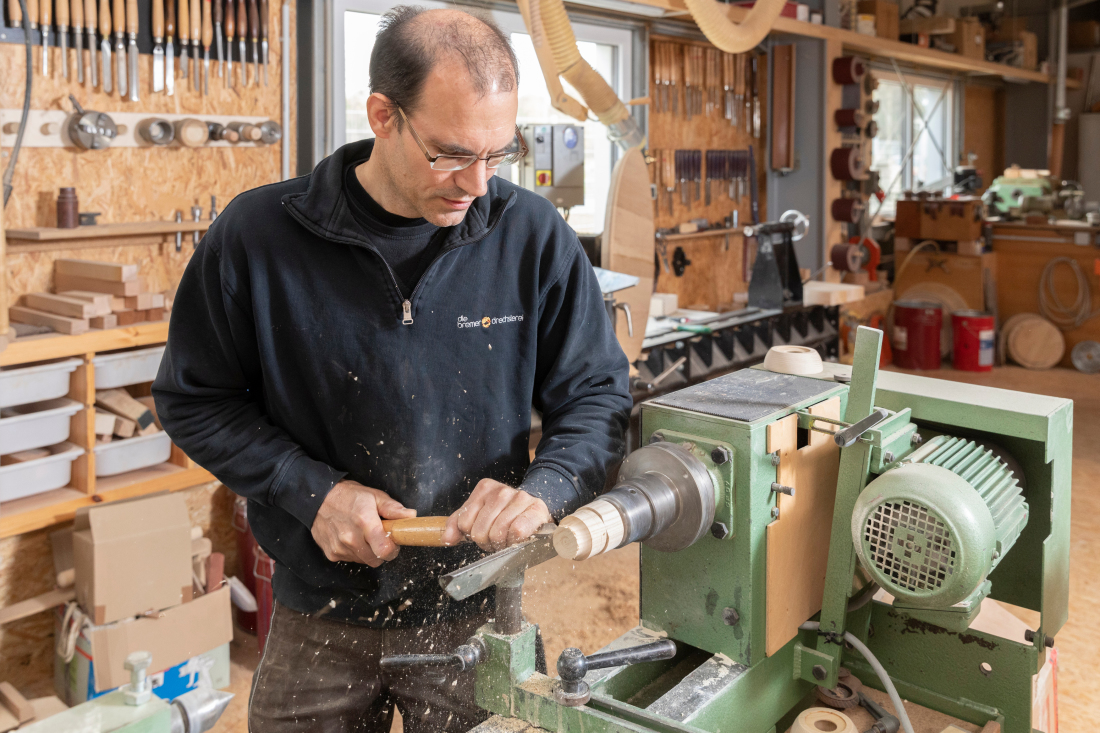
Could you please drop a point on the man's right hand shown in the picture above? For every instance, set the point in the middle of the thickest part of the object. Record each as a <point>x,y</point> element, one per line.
<point>348,526</point>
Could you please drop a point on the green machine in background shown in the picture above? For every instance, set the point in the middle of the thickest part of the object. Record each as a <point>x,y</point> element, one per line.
<point>770,508</point>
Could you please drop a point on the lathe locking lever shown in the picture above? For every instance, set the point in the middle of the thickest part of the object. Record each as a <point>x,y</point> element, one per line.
<point>573,665</point>
<point>846,434</point>
<point>462,659</point>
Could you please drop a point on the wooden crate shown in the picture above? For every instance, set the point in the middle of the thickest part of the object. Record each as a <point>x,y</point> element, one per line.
<point>886,17</point>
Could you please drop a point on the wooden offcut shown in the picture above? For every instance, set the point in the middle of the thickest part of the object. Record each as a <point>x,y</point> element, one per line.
<point>108,321</point>
<point>101,301</point>
<point>61,324</point>
<point>112,271</point>
<point>63,281</point>
<point>121,403</point>
<point>145,301</point>
<point>60,305</point>
<point>798,540</point>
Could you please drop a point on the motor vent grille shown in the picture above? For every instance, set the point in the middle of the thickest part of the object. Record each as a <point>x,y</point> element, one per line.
<point>910,545</point>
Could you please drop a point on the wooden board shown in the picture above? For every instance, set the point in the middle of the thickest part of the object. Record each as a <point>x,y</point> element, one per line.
<point>61,324</point>
<point>798,541</point>
<point>54,346</point>
<point>99,270</point>
<point>106,231</point>
<point>59,304</point>
<point>64,282</point>
<point>783,107</point>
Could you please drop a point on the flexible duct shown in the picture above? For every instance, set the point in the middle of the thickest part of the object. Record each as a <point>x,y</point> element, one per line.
<point>713,19</point>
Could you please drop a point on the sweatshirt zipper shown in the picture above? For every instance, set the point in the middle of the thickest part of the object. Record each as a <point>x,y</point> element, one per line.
<point>407,313</point>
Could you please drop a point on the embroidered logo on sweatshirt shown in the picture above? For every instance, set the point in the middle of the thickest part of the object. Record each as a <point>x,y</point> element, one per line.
<point>487,321</point>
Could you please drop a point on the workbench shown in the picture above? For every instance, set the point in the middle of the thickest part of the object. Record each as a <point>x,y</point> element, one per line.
<point>1023,250</point>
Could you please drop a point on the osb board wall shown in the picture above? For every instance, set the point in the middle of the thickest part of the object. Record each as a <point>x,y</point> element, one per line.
<point>26,570</point>
<point>716,271</point>
<point>136,184</point>
<point>984,130</point>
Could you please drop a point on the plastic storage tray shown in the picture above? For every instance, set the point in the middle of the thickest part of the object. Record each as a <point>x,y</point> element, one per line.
<point>44,474</point>
<point>23,385</point>
<point>120,456</point>
<point>36,424</point>
<point>127,367</point>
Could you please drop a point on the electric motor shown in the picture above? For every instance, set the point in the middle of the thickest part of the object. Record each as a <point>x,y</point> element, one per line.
<point>931,530</point>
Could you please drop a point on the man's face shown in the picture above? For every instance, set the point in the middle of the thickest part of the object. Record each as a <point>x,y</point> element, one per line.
<point>451,119</point>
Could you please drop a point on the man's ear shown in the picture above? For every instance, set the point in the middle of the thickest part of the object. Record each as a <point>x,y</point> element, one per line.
<point>382,116</point>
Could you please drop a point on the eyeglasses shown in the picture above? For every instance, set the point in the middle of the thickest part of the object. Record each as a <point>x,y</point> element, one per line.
<point>462,162</point>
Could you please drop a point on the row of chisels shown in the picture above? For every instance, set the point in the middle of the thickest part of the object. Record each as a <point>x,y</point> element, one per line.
<point>711,80</point>
<point>196,24</point>
<point>686,169</point>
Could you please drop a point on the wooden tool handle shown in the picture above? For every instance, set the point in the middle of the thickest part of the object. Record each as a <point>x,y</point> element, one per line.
<point>76,11</point>
<point>131,17</point>
<point>207,26</point>
<point>89,15</point>
<point>32,12</point>
<point>195,14</point>
<point>184,20</point>
<point>45,17</point>
<point>217,11</point>
<point>263,19</point>
<point>158,18</point>
<point>170,18</point>
<point>15,14</point>
<point>416,532</point>
<point>230,21</point>
<point>62,13</point>
<point>118,15</point>
<point>242,20</point>
<point>253,19</point>
<point>104,18</point>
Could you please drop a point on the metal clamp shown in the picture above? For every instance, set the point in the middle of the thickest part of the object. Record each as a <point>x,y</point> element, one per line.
<point>573,665</point>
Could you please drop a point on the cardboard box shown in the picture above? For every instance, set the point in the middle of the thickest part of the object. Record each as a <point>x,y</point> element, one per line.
<point>187,642</point>
<point>886,17</point>
<point>132,557</point>
<point>969,38</point>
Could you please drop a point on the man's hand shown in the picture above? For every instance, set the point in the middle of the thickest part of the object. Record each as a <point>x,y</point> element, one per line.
<point>496,516</point>
<point>348,526</point>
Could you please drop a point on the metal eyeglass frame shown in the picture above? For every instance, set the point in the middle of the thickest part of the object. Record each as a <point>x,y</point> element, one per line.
<point>505,158</point>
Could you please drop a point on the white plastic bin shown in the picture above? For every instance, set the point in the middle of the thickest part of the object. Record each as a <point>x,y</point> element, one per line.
<point>44,474</point>
<point>127,367</point>
<point>25,384</point>
<point>120,456</point>
<point>36,424</point>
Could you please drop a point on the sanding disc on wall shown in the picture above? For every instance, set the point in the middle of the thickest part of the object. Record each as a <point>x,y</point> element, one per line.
<point>847,210</point>
<point>846,164</point>
<point>848,70</point>
<point>850,118</point>
<point>846,257</point>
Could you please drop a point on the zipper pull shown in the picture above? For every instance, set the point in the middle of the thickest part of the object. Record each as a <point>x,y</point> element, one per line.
<point>407,312</point>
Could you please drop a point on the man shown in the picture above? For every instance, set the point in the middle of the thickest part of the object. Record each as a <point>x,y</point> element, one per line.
<point>366,343</point>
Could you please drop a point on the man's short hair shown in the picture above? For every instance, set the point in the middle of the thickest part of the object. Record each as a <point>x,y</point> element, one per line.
<point>405,52</point>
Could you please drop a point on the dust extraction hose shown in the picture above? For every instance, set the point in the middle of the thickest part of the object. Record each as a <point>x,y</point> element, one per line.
<point>713,19</point>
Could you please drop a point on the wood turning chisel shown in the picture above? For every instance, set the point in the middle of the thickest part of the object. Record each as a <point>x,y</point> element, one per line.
<point>263,36</point>
<point>254,31</point>
<point>230,27</point>
<point>218,37</point>
<point>183,25</point>
<point>706,176</point>
<point>132,49</point>
<point>688,80</point>
<point>504,566</point>
<point>242,30</point>
<point>682,174</point>
<point>76,19</point>
<point>755,98</point>
<point>170,47</point>
<point>63,35</point>
<point>118,19</point>
<point>45,20</point>
<point>194,13</point>
<point>207,39</point>
<point>674,76</point>
<point>158,45</point>
<point>668,174</point>
<point>89,28</point>
<point>697,168</point>
<point>105,44</point>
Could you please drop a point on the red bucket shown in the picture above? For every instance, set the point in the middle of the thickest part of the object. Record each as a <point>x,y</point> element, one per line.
<point>916,341</point>
<point>973,341</point>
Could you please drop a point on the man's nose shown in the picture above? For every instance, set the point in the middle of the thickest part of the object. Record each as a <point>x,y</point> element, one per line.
<point>475,179</point>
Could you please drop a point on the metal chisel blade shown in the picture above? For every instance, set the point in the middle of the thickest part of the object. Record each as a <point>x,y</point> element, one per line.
<point>244,71</point>
<point>170,68</point>
<point>263,46</point>
<point>93,72</point>
<point>489,570</point>
<point>221,50</point>
<point>78,37</point>
<point>64,38</point>
<point>158,68</point>
<point>120,65</point>
<point>105,56</point>
<point>132,56</point>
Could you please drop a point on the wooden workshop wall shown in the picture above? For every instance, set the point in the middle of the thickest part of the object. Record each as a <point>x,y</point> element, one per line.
<point>984,130</point>
<point>125,184</point>
<point>135,184</point>
<point>716,271</point>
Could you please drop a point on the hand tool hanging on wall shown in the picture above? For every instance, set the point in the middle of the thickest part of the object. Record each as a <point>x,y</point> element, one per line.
<point>697,170</point>
<point>207,39</point>
<point>158,47</point>
<point>230,27</point>
<point>118,19</point>
<point>218,37</point>
<point>45,20</point>
<point>242,31</point>
<point>170,48</point>
<point>89,29</point>
<point>184,26</point>
<point>707,174</point>
<point>689,83</point>
<point>76,20</point>
<point>105,44</point>
<point>658,77</point>
<point>673,59</point>
<point>738,89</point>
<point>132,49</point>
<point>63,34</point>
<point>727,85</point>
<point>668,176</point>
<point>263,36</point>
<point>254,31</point>
<point>682,174</point>
<point>755,96</point>
<point>753,183</point>
<point>194,13</point>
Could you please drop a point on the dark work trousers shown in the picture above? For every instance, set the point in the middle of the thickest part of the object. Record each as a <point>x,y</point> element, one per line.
<point>323,675</point>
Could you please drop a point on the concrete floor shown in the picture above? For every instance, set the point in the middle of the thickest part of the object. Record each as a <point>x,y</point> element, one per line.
<point>607,587</point>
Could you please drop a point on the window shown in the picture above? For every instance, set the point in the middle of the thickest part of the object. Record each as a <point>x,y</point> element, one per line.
<point>607,49</point>
<point>915,145</point>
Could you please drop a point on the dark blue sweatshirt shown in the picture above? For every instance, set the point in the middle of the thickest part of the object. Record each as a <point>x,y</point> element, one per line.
<point>292,364</point>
